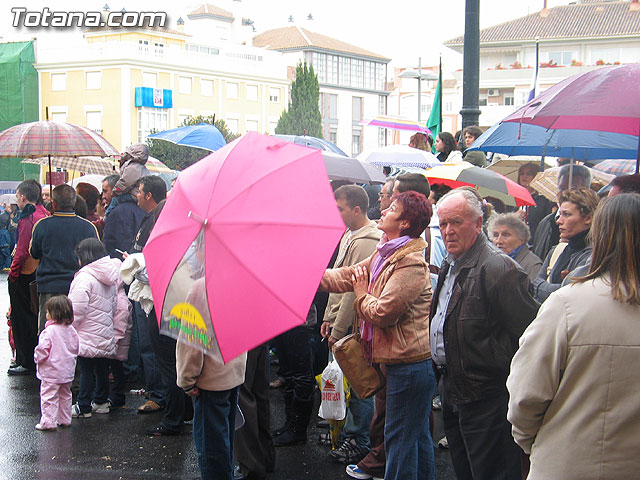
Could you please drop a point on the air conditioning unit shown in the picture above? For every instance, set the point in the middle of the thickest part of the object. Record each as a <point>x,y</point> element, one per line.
<point>493,92</point>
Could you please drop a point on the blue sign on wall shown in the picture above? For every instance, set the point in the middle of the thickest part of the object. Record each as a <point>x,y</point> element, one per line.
<point>153,97</point>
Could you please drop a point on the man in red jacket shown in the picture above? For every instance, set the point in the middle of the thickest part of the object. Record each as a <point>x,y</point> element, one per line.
<point>23,271</point>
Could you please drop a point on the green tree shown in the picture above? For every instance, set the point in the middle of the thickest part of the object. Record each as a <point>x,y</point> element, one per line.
<point>303,116</point>
<point>178,157</point>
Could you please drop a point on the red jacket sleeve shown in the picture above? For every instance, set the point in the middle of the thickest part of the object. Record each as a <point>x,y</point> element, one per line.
<point>25,228</point>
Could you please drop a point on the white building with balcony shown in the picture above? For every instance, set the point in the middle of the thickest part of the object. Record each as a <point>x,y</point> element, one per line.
<point>572,39</point>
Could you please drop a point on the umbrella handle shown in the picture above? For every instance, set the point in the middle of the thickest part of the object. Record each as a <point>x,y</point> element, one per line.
<point>203,221</point>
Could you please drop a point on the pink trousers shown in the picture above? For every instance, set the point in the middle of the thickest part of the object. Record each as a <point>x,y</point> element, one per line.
<point>55,404</point>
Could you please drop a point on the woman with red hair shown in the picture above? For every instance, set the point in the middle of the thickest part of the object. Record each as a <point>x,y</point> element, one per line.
<point>393,295</point>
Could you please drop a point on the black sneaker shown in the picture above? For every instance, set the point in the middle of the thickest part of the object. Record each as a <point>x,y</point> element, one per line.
<point>349,452</point>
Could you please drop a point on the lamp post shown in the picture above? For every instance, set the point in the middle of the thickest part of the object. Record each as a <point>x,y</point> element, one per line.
<point>420,76</point>
<point>471,72</point>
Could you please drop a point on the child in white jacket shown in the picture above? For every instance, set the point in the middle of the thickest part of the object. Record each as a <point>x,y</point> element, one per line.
<point>55,357</point>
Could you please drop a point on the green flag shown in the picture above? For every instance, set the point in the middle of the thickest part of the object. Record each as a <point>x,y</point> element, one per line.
<point>435,118</point>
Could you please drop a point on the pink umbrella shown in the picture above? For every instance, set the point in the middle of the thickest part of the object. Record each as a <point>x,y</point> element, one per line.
<point>259,220</point>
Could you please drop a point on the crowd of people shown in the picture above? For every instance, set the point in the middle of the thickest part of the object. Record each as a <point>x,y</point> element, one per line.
<point>517,325</point>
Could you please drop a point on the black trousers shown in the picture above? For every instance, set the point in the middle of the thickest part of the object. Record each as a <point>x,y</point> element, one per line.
<point>480,441</point>
<point>293,348</point>
<point>23,321</point>
<point>253,445</point>
<point>177,405</point>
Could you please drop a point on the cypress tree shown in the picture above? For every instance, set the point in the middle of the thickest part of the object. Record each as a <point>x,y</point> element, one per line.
<point>303,116</point>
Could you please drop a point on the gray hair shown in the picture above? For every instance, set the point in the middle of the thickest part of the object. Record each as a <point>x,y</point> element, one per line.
<point>512,221</point>
<point>578,171</point>
<point>474,201</point>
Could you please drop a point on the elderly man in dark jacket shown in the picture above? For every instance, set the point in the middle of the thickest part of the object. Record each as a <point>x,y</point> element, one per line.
<point>481,306</point>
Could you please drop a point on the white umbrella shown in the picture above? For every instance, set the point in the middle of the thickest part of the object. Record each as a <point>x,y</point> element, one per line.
<point>400,155</point>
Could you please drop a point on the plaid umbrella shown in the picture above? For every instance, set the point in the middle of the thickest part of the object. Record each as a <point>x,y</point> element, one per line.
<point>56,139</point>
<point>396,123</point>
<point>546,183</point>
<point>93,165</point>
<point>616,167</point>
<point>487,182</point>
<point>156,166</point>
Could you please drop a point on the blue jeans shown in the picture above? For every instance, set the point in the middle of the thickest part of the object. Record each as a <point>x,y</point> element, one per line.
<point>407,440</point>
<point>147,334</point>
<point>94,382</point>
<point>214,418</point>
<point>358,421</point>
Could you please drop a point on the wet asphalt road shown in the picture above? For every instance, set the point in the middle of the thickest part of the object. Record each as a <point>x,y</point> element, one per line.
<point>114,446</point>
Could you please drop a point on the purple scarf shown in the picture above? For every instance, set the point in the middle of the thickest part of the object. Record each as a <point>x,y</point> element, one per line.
<point>385,250</point>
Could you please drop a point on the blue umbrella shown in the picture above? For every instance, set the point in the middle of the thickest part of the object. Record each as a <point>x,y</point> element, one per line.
<point>204,136</point>
<point>512,138</point>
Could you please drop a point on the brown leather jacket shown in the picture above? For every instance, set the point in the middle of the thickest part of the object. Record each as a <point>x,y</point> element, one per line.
<point>398,306</point>
<point>491,305</point>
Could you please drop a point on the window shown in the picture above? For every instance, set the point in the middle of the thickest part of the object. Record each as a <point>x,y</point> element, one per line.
<point>274,95</point>
<point>329,107</point>
<point>151,119</point>
<point>344,71</point>
<point>184,85</point>
<point>509,100</point>
<point>232,91</point>
<point>561,58</point>
<point>252,94</point>
<point>143,46</point>
<point>356,109</point>
<point>206,88</point>
<point>448,106</point>
<point>232,124</point>
<point>320,61</point>
<point>58,82</point>
<point>183,117</point>
<point>333,135</point>
<point>381,105</point>
<point>606,55</point>
<point>380,76</point>
<point>272,127</point>
<point>381,142</point>
<point>149,79</point>
<point>94,121</point>
<point>158,49</point>
<point>332,69</point>
<point>482,99</point>
<point>252,125</point>
<point>59,116</point>
<point>356,142</point>
<point>94,80</point>
<point>357,68</point>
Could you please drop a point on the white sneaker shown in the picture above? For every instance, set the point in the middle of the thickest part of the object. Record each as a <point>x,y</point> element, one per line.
<point>76,413</point>
<point>354,472</point>
<point>42,428</point>
<point>100,407</point>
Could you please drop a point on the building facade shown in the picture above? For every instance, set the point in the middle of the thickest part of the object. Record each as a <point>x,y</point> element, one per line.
<point>572,39</point>
<point>352,83</point>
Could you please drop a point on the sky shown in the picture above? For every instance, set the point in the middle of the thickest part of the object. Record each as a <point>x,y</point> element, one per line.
<point>402,30</point>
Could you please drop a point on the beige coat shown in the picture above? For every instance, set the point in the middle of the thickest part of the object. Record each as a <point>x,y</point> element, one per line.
<point>575,388</point>
<point>339,312</point>
<point>398,306</point>
<point>206,371</point>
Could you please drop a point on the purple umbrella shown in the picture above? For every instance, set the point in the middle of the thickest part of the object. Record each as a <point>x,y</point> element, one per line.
<point>603,100</point>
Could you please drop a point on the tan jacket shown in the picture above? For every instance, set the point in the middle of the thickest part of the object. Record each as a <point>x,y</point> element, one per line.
<point>206,371</point>
<point>575,393</point>
<point>339,312</point>
<point>398,306</point>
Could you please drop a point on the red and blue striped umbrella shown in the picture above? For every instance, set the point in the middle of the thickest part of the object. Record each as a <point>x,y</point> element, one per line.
<point>55,139</point>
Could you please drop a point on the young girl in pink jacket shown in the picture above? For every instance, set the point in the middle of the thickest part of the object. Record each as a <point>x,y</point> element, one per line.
<point>55,357</point>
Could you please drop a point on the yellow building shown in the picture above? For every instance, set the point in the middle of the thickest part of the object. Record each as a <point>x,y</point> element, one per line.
<point>124,83</point>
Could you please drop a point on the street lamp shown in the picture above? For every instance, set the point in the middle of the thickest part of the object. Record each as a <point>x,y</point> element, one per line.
<point>429,75</point>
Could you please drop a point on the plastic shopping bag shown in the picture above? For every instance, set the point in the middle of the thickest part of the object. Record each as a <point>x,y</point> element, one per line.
<point>334,403</point>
